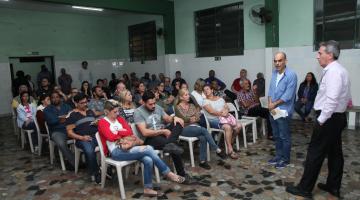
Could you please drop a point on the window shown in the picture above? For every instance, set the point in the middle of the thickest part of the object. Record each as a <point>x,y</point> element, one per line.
<point>220,31</point>
<point>337,20</point>
<point>142,41</point>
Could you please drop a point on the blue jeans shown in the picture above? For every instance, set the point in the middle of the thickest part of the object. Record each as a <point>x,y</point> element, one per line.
<point>282,137</point>
<point>88,148</point>
<point>203,135</point>
<point>214,123</point>
<point>307,108</point>
<point>60,140</point>
<point>147,156</point>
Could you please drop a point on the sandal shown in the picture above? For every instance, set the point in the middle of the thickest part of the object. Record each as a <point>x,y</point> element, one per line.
<point>177,179</point>
<point>233,155</point>
<point>158,194</point>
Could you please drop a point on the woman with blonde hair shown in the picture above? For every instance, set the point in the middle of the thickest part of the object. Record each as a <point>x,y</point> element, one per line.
<point>191,116</point>
<point>127,106</point>
<point>122,145</point>
<point>197,94</point>
<point>217,113</point>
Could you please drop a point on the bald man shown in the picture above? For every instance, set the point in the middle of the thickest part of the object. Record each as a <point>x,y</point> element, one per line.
<point>282,95</point>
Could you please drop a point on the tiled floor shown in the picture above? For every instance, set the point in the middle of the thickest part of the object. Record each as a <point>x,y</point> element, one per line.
<point>27,176</point>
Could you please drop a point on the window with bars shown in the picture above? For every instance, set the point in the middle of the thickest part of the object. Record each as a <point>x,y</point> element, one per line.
<point>142,41</point>
<point>337,20</point>
<point>219,31</point>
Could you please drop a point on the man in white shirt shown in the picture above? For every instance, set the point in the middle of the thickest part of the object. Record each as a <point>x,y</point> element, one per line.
<point>330,105</point>
<point>85,74</point>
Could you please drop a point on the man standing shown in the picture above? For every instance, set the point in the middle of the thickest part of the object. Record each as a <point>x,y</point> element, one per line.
<point>150,119</point>
<point>281,99</point>
<point>55,115</point>
<point>85,74</point>
<point>330,105</point>
<point>65,81</point>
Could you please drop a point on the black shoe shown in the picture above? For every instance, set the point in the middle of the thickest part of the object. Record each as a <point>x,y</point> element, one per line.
<point>222,155</point>
<point>96,178</point>
<point>298,192</point>
<point>189,180</point>
<point>172,148</point>
<point>205,165</point>
<point>325,188</point>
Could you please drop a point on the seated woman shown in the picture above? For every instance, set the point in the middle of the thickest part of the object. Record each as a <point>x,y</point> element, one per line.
<point>44,101</point>
<point>26,113</point>
<point>306,93</point>
<point>250,105</point>
<point>215,108</point>
<point>139,91</point>
<point>197,95</point>
<point>191,116</point>
<point>123,145</point>
<point>127,106</point>
<point>166,98</point>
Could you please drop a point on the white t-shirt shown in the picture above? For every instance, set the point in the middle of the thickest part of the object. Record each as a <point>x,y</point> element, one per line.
<point>278,78</point>
<point>217,105</point>
<point>199,97</point>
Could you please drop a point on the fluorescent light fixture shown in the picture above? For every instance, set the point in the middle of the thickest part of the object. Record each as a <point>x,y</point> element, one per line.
<point>87,8</point>
<point>5,0</point>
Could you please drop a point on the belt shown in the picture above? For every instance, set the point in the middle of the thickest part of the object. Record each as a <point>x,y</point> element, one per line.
<point>318,112</point>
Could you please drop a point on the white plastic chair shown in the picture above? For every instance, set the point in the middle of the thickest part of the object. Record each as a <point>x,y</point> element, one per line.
<point>191,141</point>
<point>41,136</point>
<point>24,132</point>
<point>244,124</point>
<point>78,152</point>
<point>160,152</point>
<point>263,121</point>
<point>14,116</point>
<point>105,161</point>
<point>220,131</point>
<point>52,149</point>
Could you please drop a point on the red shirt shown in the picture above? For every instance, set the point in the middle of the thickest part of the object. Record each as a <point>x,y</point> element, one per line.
<point>106,134</point>
<point>236,84</point>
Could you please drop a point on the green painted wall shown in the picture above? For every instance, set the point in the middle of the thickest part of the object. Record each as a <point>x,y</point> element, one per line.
<point>296,23</point>
<point>254,35</point>
<point>68,36</point>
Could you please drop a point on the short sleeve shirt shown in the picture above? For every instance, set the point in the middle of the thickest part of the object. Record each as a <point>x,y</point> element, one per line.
<point>97,105</point>
<point>82,123</point>
<point>153,120</point>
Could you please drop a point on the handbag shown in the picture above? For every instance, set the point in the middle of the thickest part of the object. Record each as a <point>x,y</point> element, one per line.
<point>229,119</point>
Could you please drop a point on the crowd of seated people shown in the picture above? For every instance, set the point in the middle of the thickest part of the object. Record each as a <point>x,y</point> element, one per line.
<point>162,110</point>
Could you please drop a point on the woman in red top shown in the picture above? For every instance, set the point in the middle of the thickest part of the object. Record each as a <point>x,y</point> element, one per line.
<point>122,145</point>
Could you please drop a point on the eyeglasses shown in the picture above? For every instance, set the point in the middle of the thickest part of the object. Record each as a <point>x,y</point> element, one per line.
<point>276,61</point>
<point>84,102</point>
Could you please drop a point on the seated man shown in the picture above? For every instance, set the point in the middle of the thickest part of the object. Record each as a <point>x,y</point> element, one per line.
<point>96,104</point>
<point>45,87</point>
<point>151,121</point>
<point>55,117</point>
<point>70,101</point>
<point>212,78</point>
<point>81,125</point>
<point>16,100</point>
<point>249,105</point>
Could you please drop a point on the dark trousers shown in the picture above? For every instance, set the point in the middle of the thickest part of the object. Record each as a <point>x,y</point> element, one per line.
<point>325,142</point>
<point>259,111</point>
<point>307,108</point>
<point>158,142</point>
